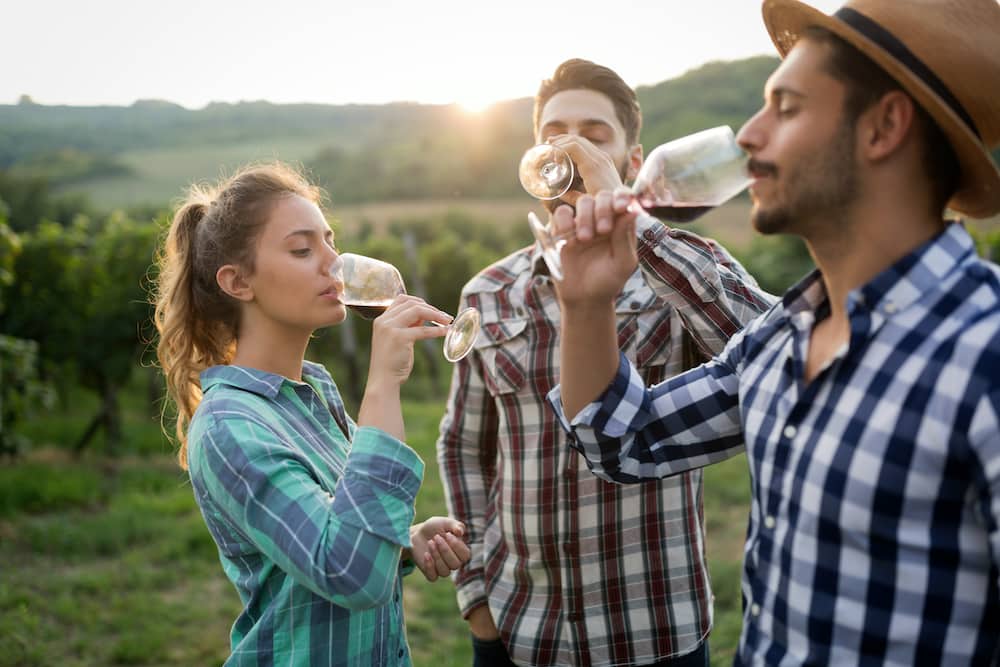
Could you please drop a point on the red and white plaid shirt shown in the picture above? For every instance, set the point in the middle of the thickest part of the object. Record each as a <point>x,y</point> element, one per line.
<point>578,571</point>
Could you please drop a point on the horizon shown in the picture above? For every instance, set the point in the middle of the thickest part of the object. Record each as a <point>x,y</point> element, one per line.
<point>114,53</point>
<point>162,101</point>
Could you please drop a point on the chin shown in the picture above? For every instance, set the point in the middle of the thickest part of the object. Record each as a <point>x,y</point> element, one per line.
<point>769,221</point>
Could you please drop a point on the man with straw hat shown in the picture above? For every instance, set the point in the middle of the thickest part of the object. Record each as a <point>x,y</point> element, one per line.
<point>869,397</point>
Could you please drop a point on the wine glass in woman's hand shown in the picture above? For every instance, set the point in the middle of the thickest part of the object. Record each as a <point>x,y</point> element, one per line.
<point>370,285</point>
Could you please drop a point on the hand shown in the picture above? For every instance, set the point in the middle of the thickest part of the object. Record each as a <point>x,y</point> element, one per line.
<point>438,549</point>
<point>602,255</point>
<point>393,334</point>
<point>595,167</point>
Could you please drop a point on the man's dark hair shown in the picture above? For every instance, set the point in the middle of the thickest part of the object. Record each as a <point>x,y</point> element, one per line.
<point>575,74</point>
<point>866,83</point>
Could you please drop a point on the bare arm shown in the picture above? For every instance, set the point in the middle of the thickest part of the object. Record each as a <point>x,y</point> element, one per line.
<point>393,335</point>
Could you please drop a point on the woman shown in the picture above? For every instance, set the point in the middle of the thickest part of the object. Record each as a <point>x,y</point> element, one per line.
<point>311,512</point>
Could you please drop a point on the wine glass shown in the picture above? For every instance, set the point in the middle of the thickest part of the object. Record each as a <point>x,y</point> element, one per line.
<point>546,171</point>
<point>370,285</point>
<point>679,182</point>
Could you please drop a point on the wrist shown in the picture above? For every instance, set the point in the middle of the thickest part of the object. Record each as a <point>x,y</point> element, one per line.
<point>587,310</point>
<point>381,389</point>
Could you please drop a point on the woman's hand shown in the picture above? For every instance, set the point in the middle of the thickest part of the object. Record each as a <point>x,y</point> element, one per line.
<point>393,335</point>
<point>438,548</point>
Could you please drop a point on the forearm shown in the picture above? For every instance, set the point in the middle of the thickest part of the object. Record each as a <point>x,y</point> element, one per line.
<point>382,408</point>
<point>589,353</point>
<point>713,294</point>
<point>481,623</point>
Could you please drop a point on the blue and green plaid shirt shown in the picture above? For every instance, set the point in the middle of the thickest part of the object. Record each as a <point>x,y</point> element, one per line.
<point>310,514</point>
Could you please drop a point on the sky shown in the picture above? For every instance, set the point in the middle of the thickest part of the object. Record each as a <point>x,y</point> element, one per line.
<point>193,52</point>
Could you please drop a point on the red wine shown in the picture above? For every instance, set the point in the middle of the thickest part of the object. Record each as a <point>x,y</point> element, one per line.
<point>368,312</point>
<point>679,212</point>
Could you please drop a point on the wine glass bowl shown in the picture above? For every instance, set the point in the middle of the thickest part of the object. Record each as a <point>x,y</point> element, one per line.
<point>682,179</point>
<point>370,286</point>
<point>546,171</point>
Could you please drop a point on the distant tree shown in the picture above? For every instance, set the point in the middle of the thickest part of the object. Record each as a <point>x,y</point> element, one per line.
<point>21,391</point>
<point>80,293</point>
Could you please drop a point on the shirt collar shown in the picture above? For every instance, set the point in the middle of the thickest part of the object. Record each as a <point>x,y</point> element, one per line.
<point>919,273</point>
<point>253,380</point>
<point>898,286</point>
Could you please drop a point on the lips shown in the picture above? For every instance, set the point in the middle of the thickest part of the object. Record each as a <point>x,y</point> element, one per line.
<point>330,293</point>
<point>759,170</point>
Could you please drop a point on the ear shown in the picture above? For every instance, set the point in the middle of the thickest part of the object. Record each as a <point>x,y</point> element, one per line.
<point>231,281</point>
<point>634,163</point>
<point>887,126</point>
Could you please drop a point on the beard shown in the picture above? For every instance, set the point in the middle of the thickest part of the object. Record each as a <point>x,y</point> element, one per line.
<point>578,186</point>
<point>816,187</point>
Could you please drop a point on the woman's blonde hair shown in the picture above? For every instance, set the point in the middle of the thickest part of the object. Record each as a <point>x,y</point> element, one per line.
<point>197,322</point>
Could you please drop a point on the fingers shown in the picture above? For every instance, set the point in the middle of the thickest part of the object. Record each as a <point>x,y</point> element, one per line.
<point>595,167</point>
<point>585,218</point>
<point>413,311</point>
<point>447,553</point>
<point>562,221</point>
<point>603,212</point>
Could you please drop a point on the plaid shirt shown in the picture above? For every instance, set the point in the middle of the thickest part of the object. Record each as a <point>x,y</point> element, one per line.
<point>310,515</point>
<point>577,571</point>
<point>874,534</point>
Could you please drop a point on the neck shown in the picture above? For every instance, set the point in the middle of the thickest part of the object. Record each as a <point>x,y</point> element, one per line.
<point>267,347</point>
<point>865,240</point>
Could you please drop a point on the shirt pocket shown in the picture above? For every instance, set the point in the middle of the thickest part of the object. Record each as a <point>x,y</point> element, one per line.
<point>651,335</point>
<point>503,348</point>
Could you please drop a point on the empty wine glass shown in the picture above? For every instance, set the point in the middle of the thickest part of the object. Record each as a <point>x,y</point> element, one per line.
<point>679,181</point>
<point>370,285</point>
<point>546,171</point>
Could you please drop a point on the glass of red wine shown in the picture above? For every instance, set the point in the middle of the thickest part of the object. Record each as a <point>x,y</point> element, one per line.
<point>679,182</point>
<point>370,285</point>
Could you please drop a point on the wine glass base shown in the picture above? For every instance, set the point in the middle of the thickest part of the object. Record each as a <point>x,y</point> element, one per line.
<point>462,334</point>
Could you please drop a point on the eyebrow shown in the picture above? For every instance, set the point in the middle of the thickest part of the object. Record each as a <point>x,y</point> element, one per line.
<point>587,122</point>
<point>308,232</point>
<point>782,91</point>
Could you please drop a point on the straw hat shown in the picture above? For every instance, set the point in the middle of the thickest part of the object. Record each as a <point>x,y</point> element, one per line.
<point>945,53</point>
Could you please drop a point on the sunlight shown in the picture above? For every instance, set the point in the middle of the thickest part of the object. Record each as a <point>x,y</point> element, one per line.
<point>476,104</point>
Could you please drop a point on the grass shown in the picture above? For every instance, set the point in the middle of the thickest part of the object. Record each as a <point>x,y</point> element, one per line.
<point>106,561</point>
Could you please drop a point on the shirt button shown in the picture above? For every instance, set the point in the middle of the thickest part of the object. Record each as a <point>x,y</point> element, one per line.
<point>401,652</point>
<point>755,609</point>
<point>648,234</point>
<point>890,307</point>
<point>790,431</point>
<point>769,522</point>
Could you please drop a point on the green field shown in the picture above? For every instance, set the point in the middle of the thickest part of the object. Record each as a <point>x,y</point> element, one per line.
<point>161,175</point>
<point>106,561</point>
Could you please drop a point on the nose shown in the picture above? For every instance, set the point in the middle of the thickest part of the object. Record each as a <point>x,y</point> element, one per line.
<point>335,268</point>
<point>751,136</point>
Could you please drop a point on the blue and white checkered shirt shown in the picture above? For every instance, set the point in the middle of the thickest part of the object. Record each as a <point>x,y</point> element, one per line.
<point>874,534</point>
